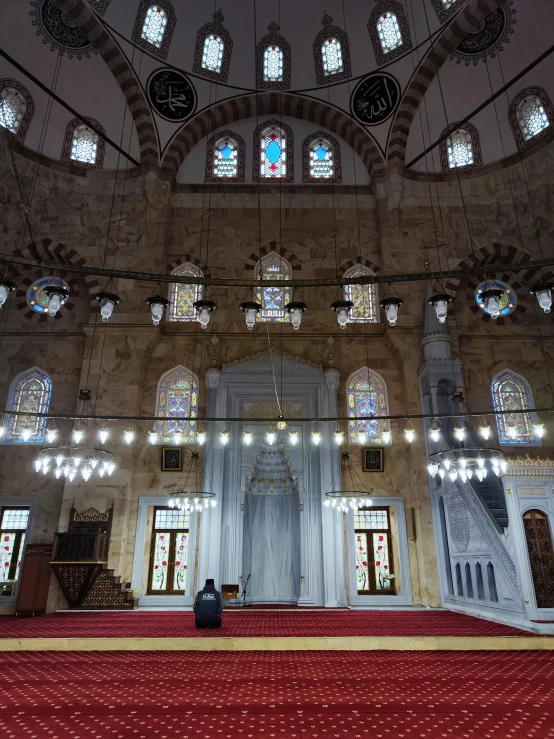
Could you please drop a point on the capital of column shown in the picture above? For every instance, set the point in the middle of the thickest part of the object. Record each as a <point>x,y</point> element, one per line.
<point>332,378</point>
<point>213,376</point>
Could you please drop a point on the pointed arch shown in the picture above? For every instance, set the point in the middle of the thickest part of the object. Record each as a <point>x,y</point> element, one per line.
<point>154,26</point>
<point>16,108</point>
<point>273,266</point>
<point>321,159</point>
<point>366,398</point>
<point>531,114</point>
<point>331,53</point>
<point>389,31</point>
<point>212,54</point>
<point>177,397</point>
<point>82,146</point>
<point>462,149</point>
<point>273,153</point>
<point>364,297</point>
<point>30,391</point>
<point>273,61</point>
<point>182,297</point>
<point>225,154</point>
<point>511,392</point>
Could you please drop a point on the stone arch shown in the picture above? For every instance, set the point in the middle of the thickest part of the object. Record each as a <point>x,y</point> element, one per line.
<point>227,112</point>
<point>461,24</point>
<point>255,257</point>
<point>193,260</point>
<point>89,23</point>
<point>353,262</point>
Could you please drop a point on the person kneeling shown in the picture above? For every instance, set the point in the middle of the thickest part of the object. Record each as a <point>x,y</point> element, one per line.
<point>208,607</point>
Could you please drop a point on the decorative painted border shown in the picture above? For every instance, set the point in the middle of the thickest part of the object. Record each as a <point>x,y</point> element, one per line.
<point>169,29</point>
<point>100,6</point>
<point>287,130</point>
<point>541,93</point>
<point>55,44</point>
<point>241,153</point>
<point>68,140</point>
<point>443,13</point>
<point>273,38</point>
<point>331,31</point>
<point>216,26</point>
<point>475,144</point>
<point>29,111</point>
<point>507,13</point>
<point>337,179</point>
<point>255,257</point>
<point>397,8</point>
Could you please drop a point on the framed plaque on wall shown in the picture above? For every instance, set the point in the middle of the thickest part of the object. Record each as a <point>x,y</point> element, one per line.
<point>172,459</point>
<point>372,459</point>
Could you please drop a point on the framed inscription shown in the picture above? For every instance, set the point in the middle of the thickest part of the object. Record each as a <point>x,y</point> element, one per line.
<point>375,98</point>
<point>372,459</point>
<point>171,95</point>
<point>172,459</point>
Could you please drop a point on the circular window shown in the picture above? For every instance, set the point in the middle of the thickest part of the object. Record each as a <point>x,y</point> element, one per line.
<point>37,299</point>
<point>508,301</point>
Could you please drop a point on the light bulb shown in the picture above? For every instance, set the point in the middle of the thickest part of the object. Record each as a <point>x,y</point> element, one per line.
<point>103,434</point>
<point>435,431</point>
<point>58,473</point>
<point>459,433</point>
<point>213,503</point>
<point>250,315</point>
<point>59,460</point>
<point>480,462</point>
<point>441,473</point>
<point>469,473</point>
<point>326,502</point>
<point>453,474</point>
<point>152,437</point>
<point>539,430</point>
<point>463,475</point>
<point>38,464</point>
<point>93,463</point>
<point>409,434</point>
<point>511,430</point>
<point>432,469</point>
<point>51,435</point>
<point>361,436</point>
<point>201,437</point>
<point>386,436</point>
<point>485,431</point>
<point>342,317</point>
<point>296,318</point>
<point>71,475</point>
<point>111,468</point>
<point>101,471</point>
<point>106,308</point>
<point>447,463</point>
<point>86,472</point>
<point>54,304</point>
<point>271,435</point>
<point>391,311</point>
<point>78,435</point>
<point>26,434</point>
<point>76,461</point>
<point>177,437</point>
<point>463,462</point>
<point>247,437</point>
<point>128,436</point>
<point>204,318</point>
<point>316,437</point>
<point>339,436</point>
<point>224,437</point>
<point>293,437</point>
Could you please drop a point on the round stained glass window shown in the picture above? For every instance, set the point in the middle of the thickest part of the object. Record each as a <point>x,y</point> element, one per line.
<point>507,302</point>
<point>37,299</point>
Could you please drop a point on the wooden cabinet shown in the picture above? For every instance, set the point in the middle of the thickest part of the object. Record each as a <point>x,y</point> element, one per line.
<point>35,580</point>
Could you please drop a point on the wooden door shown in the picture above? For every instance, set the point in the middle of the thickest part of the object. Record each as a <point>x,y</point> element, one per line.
<point>541,556</point>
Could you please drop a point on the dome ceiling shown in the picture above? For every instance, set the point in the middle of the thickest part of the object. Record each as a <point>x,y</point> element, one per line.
<point>179,104</point>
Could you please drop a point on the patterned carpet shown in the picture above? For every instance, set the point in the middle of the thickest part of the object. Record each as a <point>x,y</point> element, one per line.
<point>252,623</point>
<point>313,695</point>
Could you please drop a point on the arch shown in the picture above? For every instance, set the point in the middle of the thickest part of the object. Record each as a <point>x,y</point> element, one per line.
<point>367,397</point>
<point>92,27</point>
<point>459,584</point>
<point>469,16</point>
<point>273,299</point>
<point>182,297</point>
<point>538,536</point>
<point>213,39</point>
<point>445,548</point>
<point>479,581</point>
<point>322,43</point>
<point>491,580</point>
<point>452,149</point>
<point>276,134</point>
<point>233,163</point>
<point>364,297</point>
<point>469,581</point>
<point>388,22</point>
<point>22,108</point>
<point>177,396</point>
<point>321,167</point>
<point>79,140</point>
<point>511,391</point>
<point>30,391</point>
<point>165,30</point>
<point>253,105</point>
<point>532,104</point>
<point>254,258</point>
<point>273,55</point>
<point>445,8</point>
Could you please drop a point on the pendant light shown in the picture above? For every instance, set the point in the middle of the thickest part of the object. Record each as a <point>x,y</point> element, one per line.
<point>339,436</point>
<point>281,423</point>
<point>57,295</point>
<point>78,433</point>
<point>51,433</point>
<point>391,306</point>
<point>204,308</point>
<point>129,435</point>
<point>543,291</point>
<point>539,429</point>
<point>293,436</point>
<point>459,431</point>
<point>157,305</point>
<point>316,436</point>
<point>342,308</point>
<point>107,301</point>
<point>485,430</point>
<point>409,432</point>
<point>224,435</point>
<point>251,310</point>
<point>247,436</point>
<point>386,436</point>
<point>271,435</point>
<point>511,430</point>
<point>201,435</point>
<point>440,303</point>
<point>295,310</point>
<point>491,300</point>
<point>435,431</point>
<point>103,433</point>
<point>6,287</point>
<point>153,436</point>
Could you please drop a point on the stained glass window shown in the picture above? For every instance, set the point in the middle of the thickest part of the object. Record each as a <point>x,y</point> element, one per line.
<point>154,25</point>
<point>367,399</point>
<point>273,299</point>
<point>532,117</point>
<point>331,54</point>
<point>389,32</point>
<point>364,297</point>
<point>507,302</point>
<point>273,64</point>
<point>322,161</point>
<point>212,55</point>
<point>273,153</point>
<point>84,145</point>
<point>30,393</point>
<point>510,392</point>
<point>460,149</point>
<point>448,3</point>
<point>182,297</point>
<point>177,397</point>
<point>37,299</point>
<point>169,551</point>
<point>372,546</point>
<point>225,164</point>
<point>13,526</point>
<point>12,109</point>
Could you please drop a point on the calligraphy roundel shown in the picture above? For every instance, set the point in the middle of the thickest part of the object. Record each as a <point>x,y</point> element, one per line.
<point>375,98</point>
<point>171,94</point>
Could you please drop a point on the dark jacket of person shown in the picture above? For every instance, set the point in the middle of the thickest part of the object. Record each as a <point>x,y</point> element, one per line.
<point>208,603</point>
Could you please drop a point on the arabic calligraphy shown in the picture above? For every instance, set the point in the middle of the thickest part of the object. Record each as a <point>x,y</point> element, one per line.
<point>375,98</point>
<point>171,94</point>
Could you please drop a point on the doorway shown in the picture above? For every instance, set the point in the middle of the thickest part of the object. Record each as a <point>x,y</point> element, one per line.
<point>541,556</point>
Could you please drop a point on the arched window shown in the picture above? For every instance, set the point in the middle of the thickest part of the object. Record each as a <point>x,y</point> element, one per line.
<point>177,398</point>
<point>273,152</point>
<point>366,397</point>
<point>16,108</point>
<point>530,114</point>
<point>461,150</point>
<point>389,32</point>
<point>225,158</point>
<point>30,392</point>
<point>321,158</point>
<point>331,53</point>
<point>154,26</point>
<point>212,55</point>
<point>511,392</point>
<point>182,297</point>
<point>364,297</point>
<point>273,61</point>
<point>273,64</point>
<point>273,299</point>
<point>82,145</point>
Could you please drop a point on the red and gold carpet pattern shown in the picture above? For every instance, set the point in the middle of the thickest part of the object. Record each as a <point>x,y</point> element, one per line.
<point>313,695</point>
<point>251,623</point>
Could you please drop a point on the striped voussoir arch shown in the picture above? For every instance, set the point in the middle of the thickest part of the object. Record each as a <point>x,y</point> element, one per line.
<point>276,102</point>
<point>255,257</point>
<point>188,258</point>
<point>469,16</point>
<point>92,27</point>
<point>353,262</point>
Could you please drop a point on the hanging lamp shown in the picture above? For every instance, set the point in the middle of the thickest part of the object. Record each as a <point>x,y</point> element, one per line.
<point>251,310</point>
<point>295,310</point>
<point>6,287</point>
<point>435,431</point>
<point>157,305</point>
<point>57,295</point>
<point>191,497</point>
<point>107,301</point>
<point>491,300</point>
<point>345,500</point>
<point>342,308</point>
<point>391,306</point>
<point>440,303</point>
<point>204,308</point>
<point>543,291</point>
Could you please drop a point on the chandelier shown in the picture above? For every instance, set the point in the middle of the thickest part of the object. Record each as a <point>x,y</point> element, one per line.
<point>71,462</point>
<point>191,498</point>
<point>345,500</point>
<point>466,463</point>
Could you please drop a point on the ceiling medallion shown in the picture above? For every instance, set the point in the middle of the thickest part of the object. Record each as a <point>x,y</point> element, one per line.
<point>487,37</point>
<point>375,98</point>
<point>171,94</point>
<point>59,31</point>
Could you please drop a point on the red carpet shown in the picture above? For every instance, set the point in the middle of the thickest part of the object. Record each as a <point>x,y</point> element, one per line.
<point>313,695</point>
<point>248,623</point>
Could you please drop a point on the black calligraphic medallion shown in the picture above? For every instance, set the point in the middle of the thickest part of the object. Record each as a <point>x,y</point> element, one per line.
<point>487,37</point>
<point>375,98</point>
<point>57,29</point>
<point>171,94</point>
